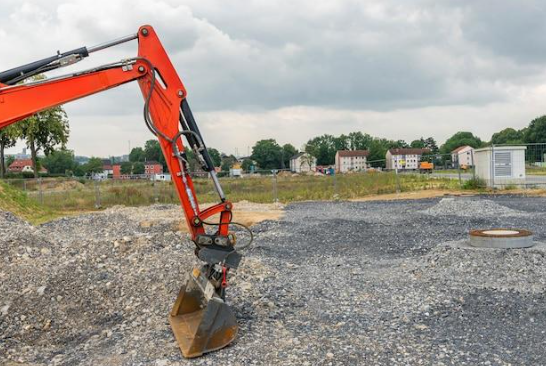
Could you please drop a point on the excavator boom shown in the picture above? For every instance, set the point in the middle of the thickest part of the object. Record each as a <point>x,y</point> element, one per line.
<point>200,319</point>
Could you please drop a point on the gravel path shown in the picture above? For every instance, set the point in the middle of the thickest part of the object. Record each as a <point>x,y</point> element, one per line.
<point>329,284</point>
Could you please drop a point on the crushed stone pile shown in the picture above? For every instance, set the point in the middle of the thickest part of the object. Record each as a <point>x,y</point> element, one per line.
<point>95,289</point>
<point>466,207</point>
<point>328,283</point>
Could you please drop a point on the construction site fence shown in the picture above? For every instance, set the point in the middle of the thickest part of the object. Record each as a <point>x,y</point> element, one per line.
<point>283,185</point>
<point>279,186</point>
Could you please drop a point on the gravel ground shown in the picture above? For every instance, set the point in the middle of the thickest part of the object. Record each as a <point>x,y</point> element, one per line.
<point>383,283</point>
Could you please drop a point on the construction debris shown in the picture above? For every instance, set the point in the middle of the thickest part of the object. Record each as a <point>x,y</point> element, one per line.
<point>342,283</point>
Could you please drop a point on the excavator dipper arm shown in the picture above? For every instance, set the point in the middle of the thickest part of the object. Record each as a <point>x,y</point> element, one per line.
<point>200,319</point>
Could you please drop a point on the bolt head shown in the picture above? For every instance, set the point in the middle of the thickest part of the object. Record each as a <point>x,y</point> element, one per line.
<point>141,69</point>
<point>180,93</point>
<point>144,32</point>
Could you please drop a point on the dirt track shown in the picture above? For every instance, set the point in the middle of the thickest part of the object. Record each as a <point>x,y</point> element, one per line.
<point>328,283</point>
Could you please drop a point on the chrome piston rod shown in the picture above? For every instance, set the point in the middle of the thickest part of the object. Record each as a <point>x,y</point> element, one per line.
<point>113,43</point>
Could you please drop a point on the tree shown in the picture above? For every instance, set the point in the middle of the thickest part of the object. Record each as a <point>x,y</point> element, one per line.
<point>138,168</point>
<point>401,144</point>
<point>215,156</point>
<point>137,154</point>
<point>152,152</point>
<point>323,148</point>
<point>60,162</point>
<point>507,136</point>
<point>8,138</point>
<point>418,144</point>
<point>460,139</point>
<point>430,144</point>
<point>379,148</point>
<point>10,159</point>
<point>44,131</point>
<point>341,143</point>
<point>247,165</point>
<point>126,167</point>
<point>536,132</point>
<point>288,151</point>
<point>227,163</point>
<point>267,153</point>
<point>359,141</point>
<point>79,170</point>
<point>94,165</point>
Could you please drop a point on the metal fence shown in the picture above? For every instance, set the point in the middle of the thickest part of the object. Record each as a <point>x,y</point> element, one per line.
<point>264,186</point>
<point>499,166</point>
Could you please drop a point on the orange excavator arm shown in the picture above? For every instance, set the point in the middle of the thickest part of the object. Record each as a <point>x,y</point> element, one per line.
<point>168,116</point>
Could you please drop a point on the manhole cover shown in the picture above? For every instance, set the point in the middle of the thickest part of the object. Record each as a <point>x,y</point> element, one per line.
<point>501,238</point>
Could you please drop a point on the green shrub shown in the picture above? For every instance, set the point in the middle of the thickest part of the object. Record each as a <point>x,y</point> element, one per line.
<point>475,183</point>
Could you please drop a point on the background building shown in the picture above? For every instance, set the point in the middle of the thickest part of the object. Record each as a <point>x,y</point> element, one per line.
<point>351,160</point>
<point>463,156</point>
<point>303,162</point>
<point>404,159</point>
<point>152,168</point>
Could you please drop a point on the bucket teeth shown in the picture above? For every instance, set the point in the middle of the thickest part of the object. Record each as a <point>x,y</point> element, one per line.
<point>201,321</point>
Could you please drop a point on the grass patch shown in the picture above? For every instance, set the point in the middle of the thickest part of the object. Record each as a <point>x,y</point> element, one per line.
<point>17,202</point>
<point>260,189</point>
<point>475,184</point>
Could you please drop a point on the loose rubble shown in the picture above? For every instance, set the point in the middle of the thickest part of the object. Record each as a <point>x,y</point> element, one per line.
<point>330,283</point>
<point>467,207</point>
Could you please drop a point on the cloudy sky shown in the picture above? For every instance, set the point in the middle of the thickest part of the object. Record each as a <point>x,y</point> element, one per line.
<point>291,70</point>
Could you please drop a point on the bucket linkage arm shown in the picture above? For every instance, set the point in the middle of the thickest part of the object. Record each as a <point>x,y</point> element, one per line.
<point>200,319</point>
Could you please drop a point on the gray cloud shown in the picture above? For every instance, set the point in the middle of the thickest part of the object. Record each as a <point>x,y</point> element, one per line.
<point>253,59</point>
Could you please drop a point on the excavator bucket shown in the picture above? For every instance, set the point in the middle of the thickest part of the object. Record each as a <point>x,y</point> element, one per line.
<point>201,321</point>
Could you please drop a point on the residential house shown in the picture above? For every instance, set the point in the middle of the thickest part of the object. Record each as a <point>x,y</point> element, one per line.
<point>351,160</point>
<point>404,158</point>
<point>303,162</point>
<point>152,168</point>
<point>23,166</point>
<point>463,156</point>
<point>116,172</point>
<point>107,167</point>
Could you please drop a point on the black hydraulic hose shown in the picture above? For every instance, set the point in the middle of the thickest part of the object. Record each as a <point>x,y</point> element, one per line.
<point>12,76</point>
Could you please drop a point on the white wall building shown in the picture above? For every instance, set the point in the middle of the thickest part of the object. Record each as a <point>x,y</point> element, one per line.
<point>235,172</point>
<point>303,162</point>
<point>351,160</point>
<point>501,166</point>
<point>463,156</point>
<point>404,159</point>
<point>163,177</point>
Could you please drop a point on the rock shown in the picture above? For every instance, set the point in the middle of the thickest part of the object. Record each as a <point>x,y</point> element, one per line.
<point>40,290</point>
<point>4,310</point>
<point>420,326</point>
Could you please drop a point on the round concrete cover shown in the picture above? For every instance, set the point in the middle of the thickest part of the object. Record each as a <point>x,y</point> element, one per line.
<point>500,232</point>
<point>501,238</point>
